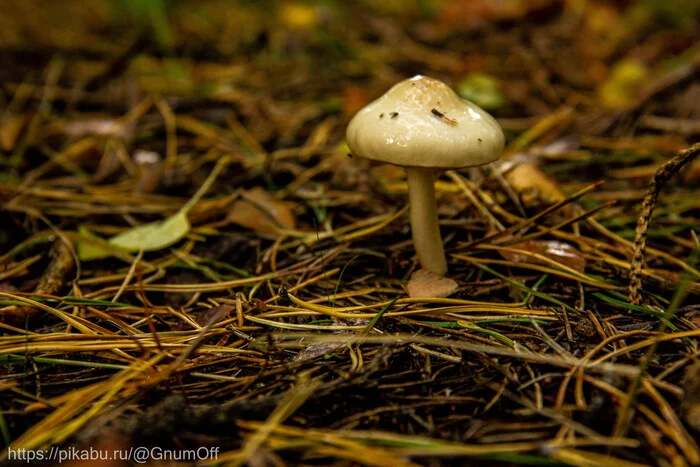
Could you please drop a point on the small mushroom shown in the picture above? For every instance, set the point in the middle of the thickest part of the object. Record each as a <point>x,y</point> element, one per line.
<point>436,130</point>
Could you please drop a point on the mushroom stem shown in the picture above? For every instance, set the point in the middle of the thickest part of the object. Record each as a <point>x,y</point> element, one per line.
<point>424,220</point>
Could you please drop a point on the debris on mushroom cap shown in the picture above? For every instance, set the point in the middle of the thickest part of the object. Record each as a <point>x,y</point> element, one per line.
<point>429,126</point>
<point>445,118</point>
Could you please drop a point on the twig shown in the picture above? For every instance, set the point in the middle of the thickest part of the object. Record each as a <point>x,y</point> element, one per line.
<point>52,281</point>
<point>656,184</point>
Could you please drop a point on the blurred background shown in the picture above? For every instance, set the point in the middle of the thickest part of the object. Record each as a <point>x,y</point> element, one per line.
<point>518,58</point>
<point>582,88</point>
<point>115,113</point>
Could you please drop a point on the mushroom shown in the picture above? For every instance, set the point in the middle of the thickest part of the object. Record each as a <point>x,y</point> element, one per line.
<point>424,126</point>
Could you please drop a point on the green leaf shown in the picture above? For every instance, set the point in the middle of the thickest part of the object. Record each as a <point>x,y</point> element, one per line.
<point>148,237</point>
<point>154,236</point>
<point>92,249</point>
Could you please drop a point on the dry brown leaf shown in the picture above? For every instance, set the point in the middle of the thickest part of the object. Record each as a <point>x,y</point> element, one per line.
<point>261,212</point>
<point>536,187</point>
<point>212,209</point>
<point>214,314</point>
<point>313,351</point>
<point>280,211</point>
<point>424,283</point>
<point>250,216</point>
<point>561,252</point>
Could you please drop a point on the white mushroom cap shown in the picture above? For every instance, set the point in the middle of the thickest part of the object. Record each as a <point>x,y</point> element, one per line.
<point>421,122</point>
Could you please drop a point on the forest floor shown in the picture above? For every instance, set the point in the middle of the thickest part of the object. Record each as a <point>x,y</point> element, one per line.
<point>191,258</point>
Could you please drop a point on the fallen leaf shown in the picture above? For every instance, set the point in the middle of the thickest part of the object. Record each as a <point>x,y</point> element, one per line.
<point>92,249</point>
<point>425,283</point>
<point>535,187</point>
<point>563,253</point>
<point>280,211</point>
<point>261,212</point>
<point>251,217</point>
<point>214,314</point>
<point>313,351</point>
<point>154,236</point>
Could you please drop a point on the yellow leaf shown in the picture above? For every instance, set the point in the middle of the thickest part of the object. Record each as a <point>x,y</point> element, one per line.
<point>154,236</point>
<point>92,248</point>
<point>157,235</point>
<point>535,187</point>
